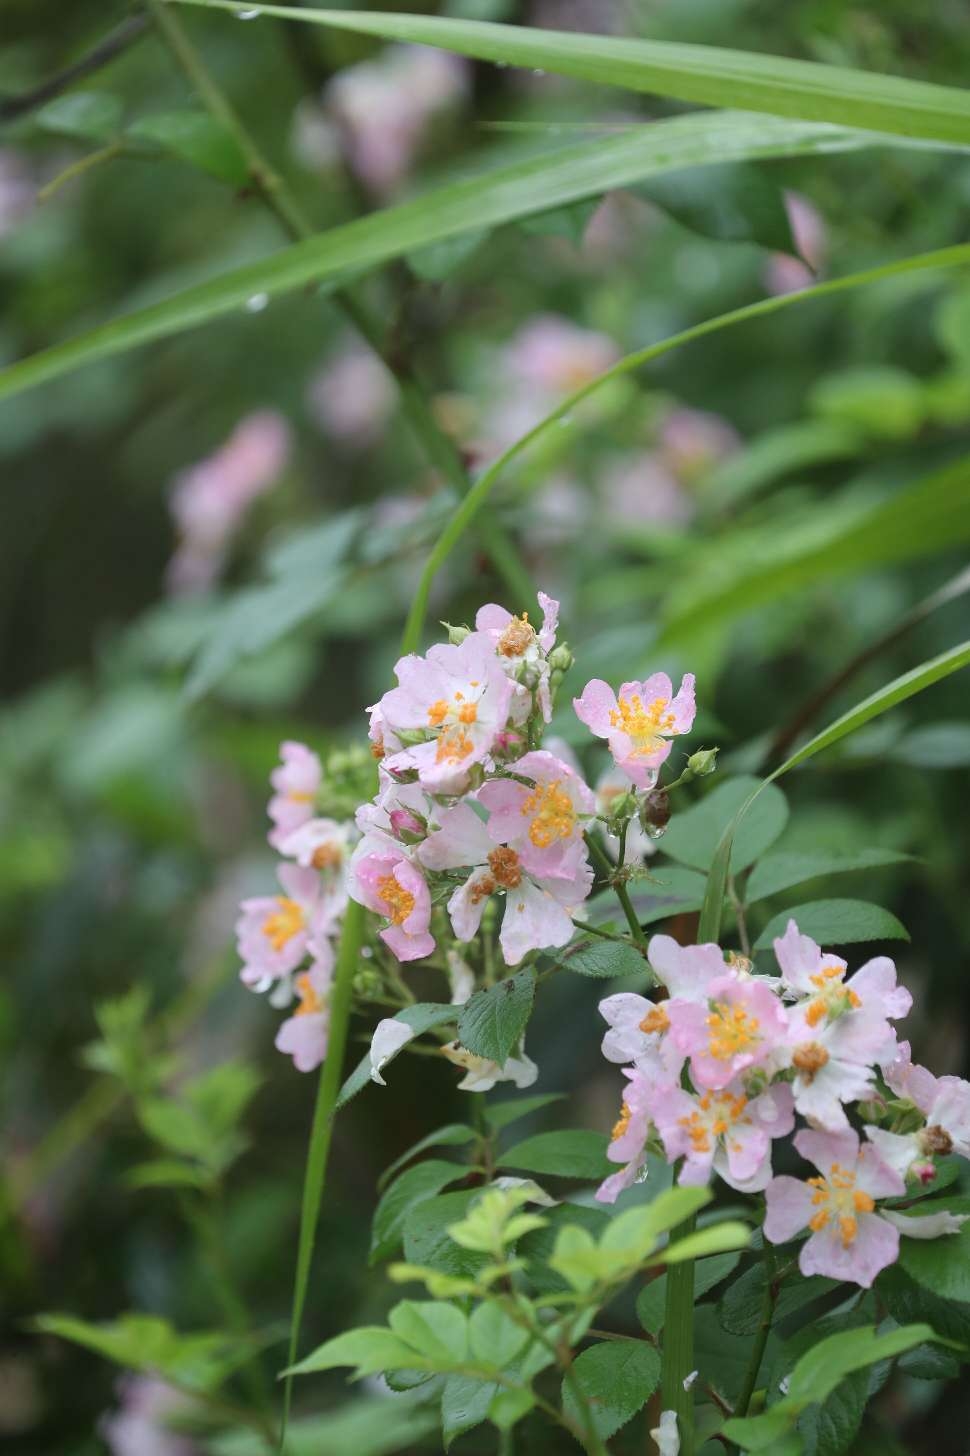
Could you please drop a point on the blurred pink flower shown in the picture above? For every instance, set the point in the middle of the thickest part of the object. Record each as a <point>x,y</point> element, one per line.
<point>16,191</point>
<point>209,501</point>
<point>596,16</point>
<point>641,490</point>
<point>555,355</point>
<point>383,108</point>
<point>786,274</point>
<point>138,1428</point>
<point>691,441</point>
<point>352,396</point>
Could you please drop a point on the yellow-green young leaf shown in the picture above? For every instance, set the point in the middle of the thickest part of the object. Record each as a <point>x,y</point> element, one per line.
<point>145,1342</point>
<point>617,1377</point>
<point>369,1349</point>
<point>709,76</point>
<point>494,1336</point>
<point>438,1331</point>
<point>488,1223</point>
<point>500,195</point>
<point>509,1406</point>
<point>576,1257</point>
<point>718,1239</point>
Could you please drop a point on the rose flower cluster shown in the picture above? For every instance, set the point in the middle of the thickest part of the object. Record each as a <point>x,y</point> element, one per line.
<point>722,1060</point>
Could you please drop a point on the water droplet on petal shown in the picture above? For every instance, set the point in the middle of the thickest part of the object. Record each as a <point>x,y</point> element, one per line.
<point>257,303</point>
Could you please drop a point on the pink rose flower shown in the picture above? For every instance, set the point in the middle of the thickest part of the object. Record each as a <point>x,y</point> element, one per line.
<point>392,886</point>
<point>742,1026</point>
<point>522,653</point>
<point>849,1239</point>
<point>725,1131</point>
<point>638,1035</point>
<point>544,823</point>
<point>945,1104</point>
<point>557,356</point>
<point>628,1140</point>
<point>786,274</point>
<point>304,1035</point>
<point>296,783</point>
<point>538,910</point>
<point>275,932</point>
<point>458,696</point>
<point>639,723</point>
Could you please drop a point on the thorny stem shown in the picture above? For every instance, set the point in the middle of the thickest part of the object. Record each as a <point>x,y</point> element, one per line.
<point>440,449</point>
<point>613,876</point>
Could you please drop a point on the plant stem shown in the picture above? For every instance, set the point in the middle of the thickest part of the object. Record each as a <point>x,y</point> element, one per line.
<point>341,998</point>
<point>78,168</point>
<point>440,449</point>
<point>678,1342</point>
<point>611,873</point>
<point>114,44</point>
<point>761,1338</point>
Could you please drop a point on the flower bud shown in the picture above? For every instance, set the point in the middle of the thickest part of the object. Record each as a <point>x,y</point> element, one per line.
<point>456,635</point>
<point>655,812</point>
<point>367,982</point>
<point>408,826</point>
<point>874,1108</point>
<point>561,658</point>
<point>703,762</point>
<point>923,1172</point>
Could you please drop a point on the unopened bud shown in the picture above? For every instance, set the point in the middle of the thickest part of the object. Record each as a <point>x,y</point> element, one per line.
<point>408,826</point>
<point>924,1172</point>
<point>874,1109</point>
<point>456,635</point>
<point>703,762</point>
<point>367,982</point>
<point>561,658</point>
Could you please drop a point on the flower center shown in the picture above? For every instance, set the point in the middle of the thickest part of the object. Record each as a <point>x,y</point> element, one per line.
<point>936,1139</point>
<point>656,1019</point>
<point>281,926</point>
<point>551,812</point>
<point>644,725</point>
<point>327,856</point>
<point>399,901</point>
<point>837,1198</point>
<point>454,744</point>
<point>716,1113</point>
<point>299,796</point>
<point>622,1123</point>
<point>504,864</point>
<point>809,1059</point>
<point>833,998</point>
<point>517,638</point>
<point>311,1003</point>
<point>732,1031</point>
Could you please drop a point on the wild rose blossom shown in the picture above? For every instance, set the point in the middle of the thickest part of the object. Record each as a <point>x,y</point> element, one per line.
<point>538,908</point>
<point>628,1140</point>
<point>276,932</point>
<point>523,653</point>
<point>305,1034</point>
<point>543,822</point>
<point>945,1105</point>
<point>394,888</point>
<point>459,698</point>
<point>296,783</point>
<point>639,722</point>
<point>724,1131</point>
<point>849,1239</point>
<point>742,1026</point>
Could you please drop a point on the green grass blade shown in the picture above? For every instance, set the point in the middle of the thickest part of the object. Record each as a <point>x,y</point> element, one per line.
<point>703,74</point>
<point>901,688</point>
<point>316,1168</point>
<point>489,199</point>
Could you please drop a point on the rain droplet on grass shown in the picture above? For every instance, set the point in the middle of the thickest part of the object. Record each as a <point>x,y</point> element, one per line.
<point>257,303</point>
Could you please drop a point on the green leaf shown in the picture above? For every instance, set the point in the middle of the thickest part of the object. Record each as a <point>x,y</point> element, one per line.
<point>495,1338</point>
<point>692,835</point>
<point>464,1404</point>
<point>196,138</point>
<point>835,922</point>
<point>901,688</point>
<point>910,1302</point>
<point>145,1342</point>
<point>437,1330</point>
<point>221,1096</point>
<point>719,1238</point>
<point>422,1016</point>
<point>780,871</point>
<point>452,1135</point>
<point>532,185</point>
<point>776,453</point>
<point>742,1304</point>
<point>166,1173</point>
<point>935,745</point>
<point>617,1377</point>
<point>703,74</point>
<point>88,116</point>
<point>605,959</point>
<point>671,890</point>
<point>537,1247</point>
<point>438,261</point>
<point>370,1349</point>
<point>509,1406</point>
<point>422,1181</point>
<point>575,1153</point>
<point>882,402</point>
<point>733,204</point>
<point>174,1125</point>
<point>651,1301</point>
<point>511,1109</point>
<point>941,1265</point>
<point>428,1242</point>
<point>491,1022</point>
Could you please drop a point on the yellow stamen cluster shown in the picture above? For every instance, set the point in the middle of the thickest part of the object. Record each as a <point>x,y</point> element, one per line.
<point>454,744</point>
<point>622,1123</point>
<point>656,1019</point>
<point>809,1059</point>
<point>716,1113</point>
<point>327,856</point>
<point>505,866</point>
<point>837,1197</point>
<point>833,997</point>
<point>281,926</point>
<point>551,812</point>
<point>517,638</point>
<point>310,1001</point>
<point>732,1030</point>
<point>644,725</point>
<point>399,901</point>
